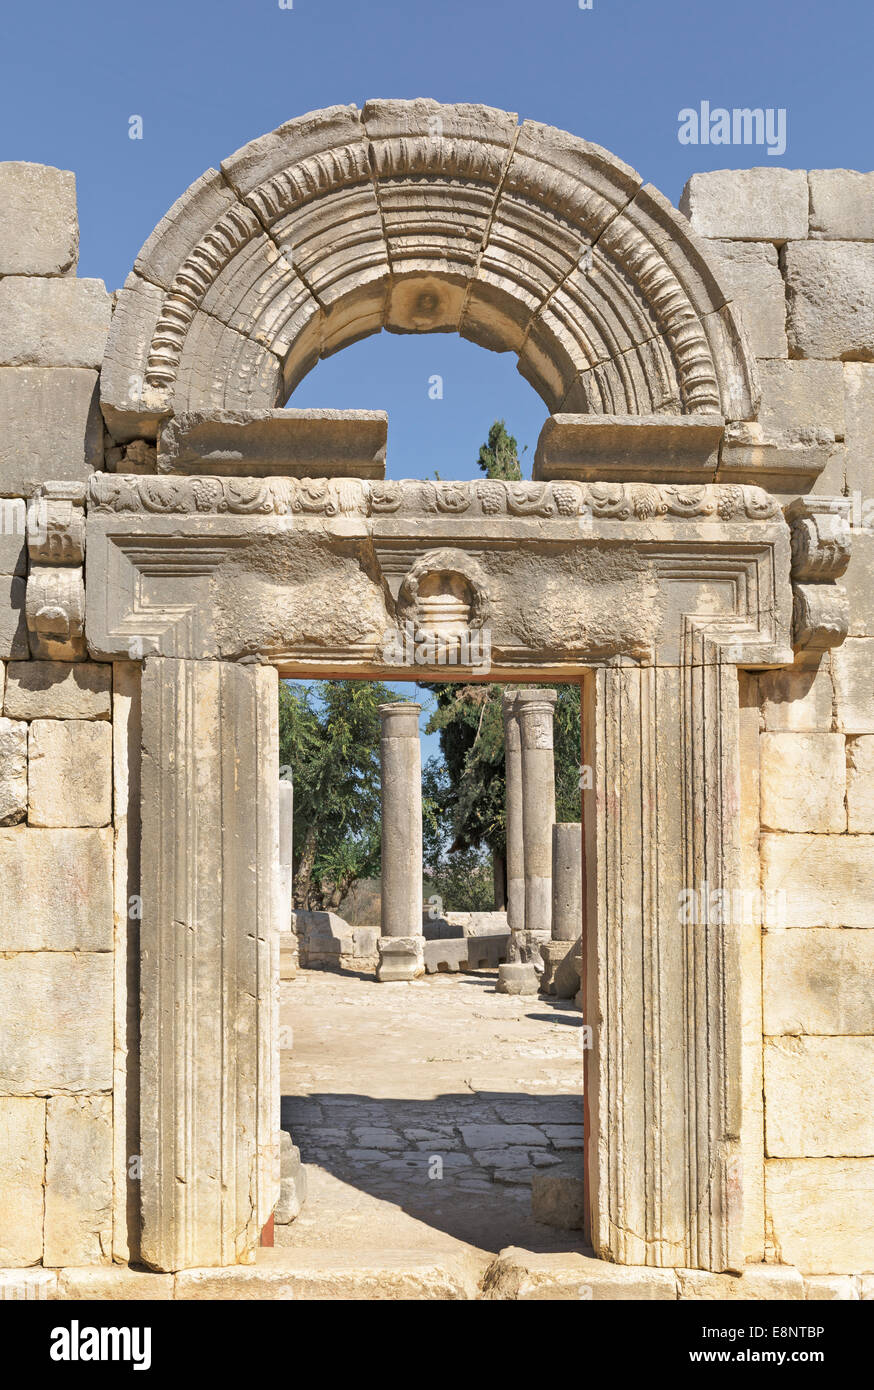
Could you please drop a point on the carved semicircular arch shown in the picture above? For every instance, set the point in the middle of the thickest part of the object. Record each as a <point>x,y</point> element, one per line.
<point>419,217</point>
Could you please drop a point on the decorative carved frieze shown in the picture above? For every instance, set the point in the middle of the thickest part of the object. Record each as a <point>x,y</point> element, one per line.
<point>121,493</point>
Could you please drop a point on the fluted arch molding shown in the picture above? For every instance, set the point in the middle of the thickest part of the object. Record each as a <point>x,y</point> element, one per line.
<point>419,217</point>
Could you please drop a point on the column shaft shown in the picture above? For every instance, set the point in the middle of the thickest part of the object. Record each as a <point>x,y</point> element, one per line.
<point>534,711</point>
<point>513,816</point>
<point>401,765</point>
<point>209,961</point>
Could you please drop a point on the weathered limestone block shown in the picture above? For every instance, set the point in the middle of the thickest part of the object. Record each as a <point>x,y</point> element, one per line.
<point>860,785</point>
<point>56,890</point>
<point>401,957</point>
<point>13,552</point>
<point>748,204</point>
<point>819,980</point>
<point>852,668</point>
<point>598,448</point>
<point>828,881</point>
<point>13,772</point>
<point>58,690</point>
<point>858,432</point>
<point>841,204</point>
<point>31,1284</point>
<point>830,297</point>
<point>78,1213</point>
<point>552,953</point>
<point>291,443</point>
<point>751,276</point>
<point>517,978</point>
<point>50,427</point>
<point>802,401</point>
<point>22,1168</point>
<point>289,956</point>
<point>522,1274</point>
<point>804,782</point>
<point>13,625</point>
<point>820,1212</point>
<point>69,772</point>
<point>798,697</point>
<point>292,1181</point>
<point>558,1199</point>
<point>111,1282</point>
<point>831,1288</point>
<point>819,1097</point>
<point>53,322</point>
<point>755,1283</point>
<point>39,227</point>
<point>57,1023</point>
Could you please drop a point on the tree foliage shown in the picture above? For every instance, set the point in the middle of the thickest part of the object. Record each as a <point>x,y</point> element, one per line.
<point>499,457</point>
<point>329,737</point>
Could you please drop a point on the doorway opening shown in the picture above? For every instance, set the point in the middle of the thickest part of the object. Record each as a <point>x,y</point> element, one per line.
<point>438,1117</point>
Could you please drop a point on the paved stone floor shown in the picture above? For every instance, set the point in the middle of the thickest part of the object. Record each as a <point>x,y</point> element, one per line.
<point>422,1109</point>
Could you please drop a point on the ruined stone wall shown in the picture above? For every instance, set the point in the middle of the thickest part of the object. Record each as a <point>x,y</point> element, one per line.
<point>799,253</point>
<point>57,841</point>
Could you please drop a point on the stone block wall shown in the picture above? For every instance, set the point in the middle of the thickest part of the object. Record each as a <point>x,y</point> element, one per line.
<point>798,250</point>
<point>57,839</point>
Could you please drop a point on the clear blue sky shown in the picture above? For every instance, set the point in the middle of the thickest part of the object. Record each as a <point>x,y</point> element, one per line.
<point>208,75</point>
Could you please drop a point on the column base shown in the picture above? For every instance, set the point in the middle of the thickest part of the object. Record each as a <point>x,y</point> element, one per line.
<point>517,978</point>
<point>561,968</point>
<point>400,957</point>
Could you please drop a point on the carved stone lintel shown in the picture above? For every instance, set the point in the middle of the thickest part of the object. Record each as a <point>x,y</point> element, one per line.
<point>820,540</point>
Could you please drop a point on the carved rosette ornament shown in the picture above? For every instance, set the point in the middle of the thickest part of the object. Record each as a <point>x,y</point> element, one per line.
<point>820,554</point>
<point>55,598</point>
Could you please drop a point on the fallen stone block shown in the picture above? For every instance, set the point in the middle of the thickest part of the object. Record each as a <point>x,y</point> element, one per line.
<point>517,979</point>
<point>292,1181</point>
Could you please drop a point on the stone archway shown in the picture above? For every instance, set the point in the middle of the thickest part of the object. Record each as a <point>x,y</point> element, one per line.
<point>652,589</point>
<point>417,217</point>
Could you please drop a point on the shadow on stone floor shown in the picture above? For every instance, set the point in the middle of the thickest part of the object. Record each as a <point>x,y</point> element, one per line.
<point>461,1162</point>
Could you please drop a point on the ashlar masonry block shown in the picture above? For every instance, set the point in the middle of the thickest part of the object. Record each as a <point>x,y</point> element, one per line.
<point>78,1216</point>
<point>803,782</point>
<point>69,772</point>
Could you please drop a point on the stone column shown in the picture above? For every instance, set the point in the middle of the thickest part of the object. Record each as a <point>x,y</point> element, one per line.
<point>401,940</point>
<point>567,881</point>
<point>515,840</point>
<point>559,974</point>
<point>209,1103</point>
<point>534,710</point>
<point>288,959</point>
